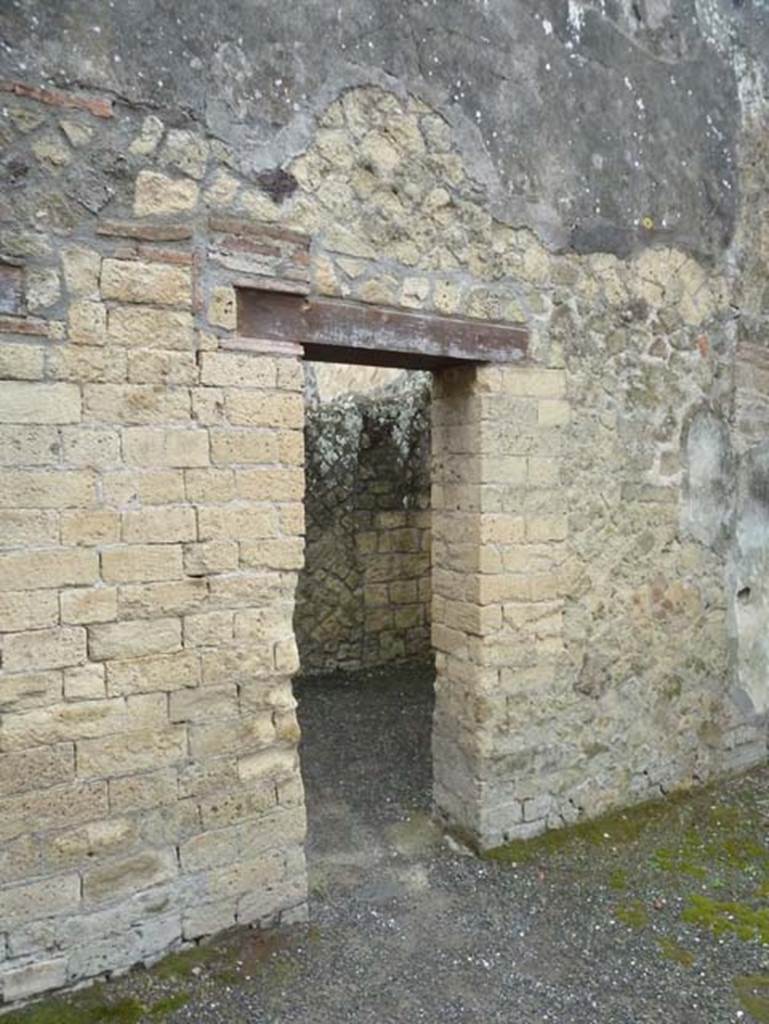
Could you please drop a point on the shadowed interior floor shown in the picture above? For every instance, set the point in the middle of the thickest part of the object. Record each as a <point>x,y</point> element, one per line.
<point>366,767</point>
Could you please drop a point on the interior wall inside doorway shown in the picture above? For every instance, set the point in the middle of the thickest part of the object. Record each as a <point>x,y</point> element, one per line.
<point>363,597</point>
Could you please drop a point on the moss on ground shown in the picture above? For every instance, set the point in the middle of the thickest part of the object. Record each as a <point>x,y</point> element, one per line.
<point>707,856</point>
<point>621,827</point>
<point>183,964</point>
<point>752,991</point>
<point>634,915</point>
<point>89,1008</point>
<point>161,1009</point>
<point>672,950</point>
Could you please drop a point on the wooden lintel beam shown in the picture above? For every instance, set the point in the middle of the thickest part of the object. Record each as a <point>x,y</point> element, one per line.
<point>337,330</point>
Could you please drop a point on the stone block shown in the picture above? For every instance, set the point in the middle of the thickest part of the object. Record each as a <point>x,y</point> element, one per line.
<point>142,563</point>
<point>235,736</point>
<point>61,722</point>
<point>250,523</point>
<point>128,404</point>
<point>41,488</point>
<point>93,604</point>
<point>20,610</point>
<point>31,979</point>
<point>87,323</point>
<point>132,751</point>
<point>153,600</point>
<point>244,446</point>
<point>26,527</point>
<point>22,362</point>
<point>291,518</point>
<point>209,485</point>
<point>291,447</point>
<point>208,918</point>
<point>284,410</point>
<point>81,271</point>
<point>133,639</point>
<point>209,629</point>
<point>547,528</point>
<point>20,903</point>
<point>90,527</point>
<point>24,402</point>
<point>210,557</point>
<point>86,363</point>
<point>500,528</point>
<point>154,366</point>
<point>44,648</point>
<point>158,194</point>
<point>37,768</point>
<point>89,446</point>
<point>204,704</point>
<point>142,792</point>
<point>141,282</point>
<point>126,876</point>
<point>28,445</point>
<point>530,382</point>
<point>200,778</point>
<point>144,327</point>
<point>246,876</point>
<point>273,763</point>
<point>553,413</point>
<point>85,683</point>
<point>237,369</point>
<point>281,553</point>
<point>238,804</point>
<point>25,690</point>
<point>270,483</point>
<point>46,568</point>
<point>149,674</point>
<point>147,446</point>
<point>41,810</point>
<point>159,525</point>
<point>222,309</point>
<point>144,487</point>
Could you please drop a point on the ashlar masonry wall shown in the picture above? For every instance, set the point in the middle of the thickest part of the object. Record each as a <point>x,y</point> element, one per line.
<point>151,527</point>
<point>150,530</point>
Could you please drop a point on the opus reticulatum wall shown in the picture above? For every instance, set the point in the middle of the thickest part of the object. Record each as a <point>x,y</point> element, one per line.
<point>363,595</point>
<point>597,511</point>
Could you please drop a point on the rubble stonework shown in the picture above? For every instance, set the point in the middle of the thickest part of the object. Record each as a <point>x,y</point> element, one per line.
<point>363,596</point>
<point>597,606</point>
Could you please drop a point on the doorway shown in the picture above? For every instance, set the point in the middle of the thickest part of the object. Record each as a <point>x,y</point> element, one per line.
<point>470,396</point>
<point>362,620</point>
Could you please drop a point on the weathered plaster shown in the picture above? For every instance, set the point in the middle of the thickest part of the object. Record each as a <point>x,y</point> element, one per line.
<point>605,125</point>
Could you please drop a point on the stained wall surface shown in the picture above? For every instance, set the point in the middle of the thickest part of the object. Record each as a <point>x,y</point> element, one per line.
<point>594,170</point>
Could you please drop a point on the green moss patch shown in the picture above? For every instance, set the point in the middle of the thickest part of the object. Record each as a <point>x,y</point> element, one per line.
<point>161,1009</point>
<point>752,991</point>
<point>634,915</point>
<point>672,950</point>
<point>728,917</point>
<point>616,829</point>
<point>90,1008</point>
<point>181,965</point>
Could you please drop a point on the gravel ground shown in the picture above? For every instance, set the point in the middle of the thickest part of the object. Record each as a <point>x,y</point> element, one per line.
<point>659,915</point>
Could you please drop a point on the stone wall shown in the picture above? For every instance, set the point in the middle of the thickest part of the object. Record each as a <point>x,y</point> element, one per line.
<point>363,597</point>
<point>598,614</point>
<point>150,530</point>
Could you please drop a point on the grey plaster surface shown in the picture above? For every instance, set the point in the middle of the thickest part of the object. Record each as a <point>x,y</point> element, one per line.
<point>605,124</point>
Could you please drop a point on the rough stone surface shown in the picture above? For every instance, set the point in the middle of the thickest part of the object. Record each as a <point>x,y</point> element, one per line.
<point>598,171</point>
<point>363,596</point>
